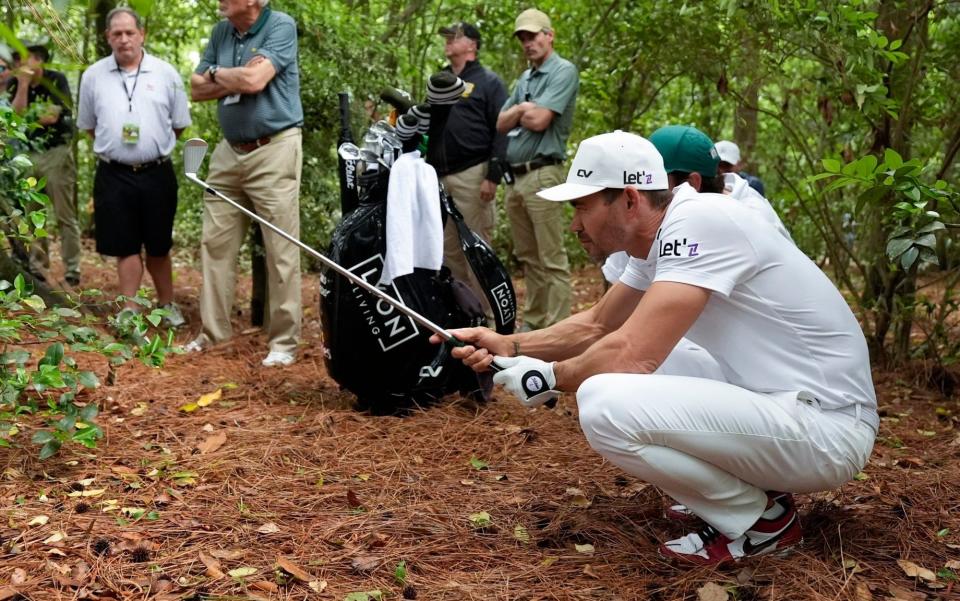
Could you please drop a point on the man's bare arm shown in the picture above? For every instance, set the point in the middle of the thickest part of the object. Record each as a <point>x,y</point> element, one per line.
<point>510,118</point>
<point>537,118</point>
<point>574,335</point>
<point>662,317</point>
<point>202,88</point>
<point>251,78</point>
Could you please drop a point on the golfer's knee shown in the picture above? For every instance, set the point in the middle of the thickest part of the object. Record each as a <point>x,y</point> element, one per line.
<point>595,402</point>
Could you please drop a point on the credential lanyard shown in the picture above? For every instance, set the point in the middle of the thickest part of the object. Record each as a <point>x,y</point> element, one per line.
<point>129,93</point>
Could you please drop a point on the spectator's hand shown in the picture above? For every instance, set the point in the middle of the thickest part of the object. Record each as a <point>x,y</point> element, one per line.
<point>480,345</point>
<point>526,106</point>
<point>24,74</point>
<point>488,190</point>
<point>256,59</point>
<point>530,380</point>
<point>50,114</point>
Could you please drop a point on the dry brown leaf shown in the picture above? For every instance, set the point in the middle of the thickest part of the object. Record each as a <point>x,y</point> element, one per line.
<point>211,443</point>
<point>293,569</point>
<point>862,592</point>
<point>588,570</point>
<point>914,571</point>
<point>213,566</point>
<point>900,594</point>
<point>8,592</point>
<point>264,585</point>
<point>744,575</point>
<point>953,564</point>
<point>19,576</point>
<point>353,500</point>
<point>228,554</point>
<point>577,498</point>
<point>911,462</point>
<point>317,586</point>
<point>365,563</point>
<point>712,591</point>
<point>268,528</point>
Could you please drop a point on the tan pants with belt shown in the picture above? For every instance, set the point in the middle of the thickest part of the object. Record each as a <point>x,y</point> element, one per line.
<point>478,214</point>
<point>57,165</point>
<point>266,181</point>
<point>537,229</point>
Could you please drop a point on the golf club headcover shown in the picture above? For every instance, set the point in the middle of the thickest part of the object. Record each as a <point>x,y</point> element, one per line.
<point>407,132</point>
<point>422,113</point>
<point>444,88</point>
<point>397,98</point>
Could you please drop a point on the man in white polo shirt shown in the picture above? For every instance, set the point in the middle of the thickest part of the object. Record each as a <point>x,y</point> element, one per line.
<point>795,409</point>
<point>134,107</point>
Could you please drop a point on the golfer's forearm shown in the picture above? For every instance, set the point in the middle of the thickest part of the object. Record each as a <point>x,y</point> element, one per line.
<point>610,355</point>
<point>563,340</point>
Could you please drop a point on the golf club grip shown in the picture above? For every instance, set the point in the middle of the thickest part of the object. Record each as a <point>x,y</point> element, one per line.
<point>496,368</point>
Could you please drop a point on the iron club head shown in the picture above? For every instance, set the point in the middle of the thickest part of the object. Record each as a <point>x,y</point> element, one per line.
<point>194,150</point>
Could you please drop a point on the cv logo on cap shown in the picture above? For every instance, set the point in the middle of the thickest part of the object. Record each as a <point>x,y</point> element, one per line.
<point>584,173</point>
<point>532,382</point>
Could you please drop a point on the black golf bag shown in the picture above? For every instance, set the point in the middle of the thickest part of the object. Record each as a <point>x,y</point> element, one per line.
<point>371,348</point>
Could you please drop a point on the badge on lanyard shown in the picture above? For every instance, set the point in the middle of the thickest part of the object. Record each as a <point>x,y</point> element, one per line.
<point>130,131</point>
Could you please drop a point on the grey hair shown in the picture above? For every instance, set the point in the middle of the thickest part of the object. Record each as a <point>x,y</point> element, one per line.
<point>125,10</point>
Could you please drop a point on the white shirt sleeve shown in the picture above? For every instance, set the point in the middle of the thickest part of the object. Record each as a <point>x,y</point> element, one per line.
<point>86,116</point>
<point>701,246</point>
<point>638,274</point>
<point>179,110</point>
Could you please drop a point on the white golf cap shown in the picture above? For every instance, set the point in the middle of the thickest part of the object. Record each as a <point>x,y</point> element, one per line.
<point>728,151</point>
<point>614,160</point>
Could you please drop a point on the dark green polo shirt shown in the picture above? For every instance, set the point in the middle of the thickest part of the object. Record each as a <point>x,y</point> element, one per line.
<point>552,85</point>
<point>277,107</point>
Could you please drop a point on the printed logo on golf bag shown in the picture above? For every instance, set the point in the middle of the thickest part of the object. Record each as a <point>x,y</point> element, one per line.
<point>429,371</point>
<point>532,382</point>
<point>387,324</point>
<point>506,306</point>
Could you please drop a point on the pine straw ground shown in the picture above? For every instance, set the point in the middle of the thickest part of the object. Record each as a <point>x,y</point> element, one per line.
<point>281,469</point>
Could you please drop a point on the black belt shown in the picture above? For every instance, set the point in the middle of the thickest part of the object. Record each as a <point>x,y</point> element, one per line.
<point>523,168</point>
<point>137,167</point>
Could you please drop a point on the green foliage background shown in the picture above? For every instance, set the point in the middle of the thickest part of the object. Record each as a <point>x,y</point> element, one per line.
<point>792,81</point>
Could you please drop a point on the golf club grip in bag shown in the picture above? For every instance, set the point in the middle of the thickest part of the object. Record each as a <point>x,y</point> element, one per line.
<point>486,266</point>
<point>347,170</point>
<point>373,350</point>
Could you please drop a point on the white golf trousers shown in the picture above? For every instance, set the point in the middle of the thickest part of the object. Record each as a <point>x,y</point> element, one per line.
<point>716,447</point>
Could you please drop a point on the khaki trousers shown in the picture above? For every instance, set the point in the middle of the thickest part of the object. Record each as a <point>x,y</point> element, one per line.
<point>537,228</point>
<point>266,181</point>
<point>57,165</point>
<point>479,215</point>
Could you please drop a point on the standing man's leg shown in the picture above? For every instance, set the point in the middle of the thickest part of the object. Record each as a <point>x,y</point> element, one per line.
<point>117,220</point>
<point>223,232</point>
<point>479,215</point>
<point>158,229</point>
<point>273,185</point>
<point>537,230</point>
<point>58,166</point>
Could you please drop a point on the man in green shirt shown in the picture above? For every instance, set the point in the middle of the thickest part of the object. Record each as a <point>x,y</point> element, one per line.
<point>536,120</point>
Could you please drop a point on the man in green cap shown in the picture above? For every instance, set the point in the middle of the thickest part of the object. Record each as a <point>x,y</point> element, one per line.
<point>536,119</point>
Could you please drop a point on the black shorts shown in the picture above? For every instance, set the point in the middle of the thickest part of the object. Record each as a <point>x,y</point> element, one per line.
<point>134,209</point>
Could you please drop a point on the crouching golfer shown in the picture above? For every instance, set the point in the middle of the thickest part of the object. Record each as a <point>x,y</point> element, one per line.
<point>797,409</point>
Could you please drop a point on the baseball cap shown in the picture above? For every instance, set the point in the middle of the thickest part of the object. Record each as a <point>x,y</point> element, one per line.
<point>728,151</point>
<point>532,20</point>
<point>464,29</point>
<point>687,149</point>
<point>614,160</point>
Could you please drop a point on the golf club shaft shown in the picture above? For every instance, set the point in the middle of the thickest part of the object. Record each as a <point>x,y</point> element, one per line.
<point>447,336</point>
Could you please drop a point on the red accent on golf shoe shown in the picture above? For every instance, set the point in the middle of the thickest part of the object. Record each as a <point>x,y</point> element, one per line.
<point>710,547</point>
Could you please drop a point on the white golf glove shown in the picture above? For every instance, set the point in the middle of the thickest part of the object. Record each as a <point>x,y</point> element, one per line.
<point>530,380</point>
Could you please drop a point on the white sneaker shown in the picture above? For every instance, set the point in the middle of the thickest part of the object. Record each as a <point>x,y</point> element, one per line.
<point>278,358</point>
<point>195,346</point>
<point>175,318</point>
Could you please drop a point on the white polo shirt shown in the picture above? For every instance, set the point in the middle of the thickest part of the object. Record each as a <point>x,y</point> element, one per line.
<point>774,321</point>
<point>154,100</point>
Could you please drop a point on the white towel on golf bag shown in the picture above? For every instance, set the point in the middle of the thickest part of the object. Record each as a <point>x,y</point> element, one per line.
<point>414,223</point>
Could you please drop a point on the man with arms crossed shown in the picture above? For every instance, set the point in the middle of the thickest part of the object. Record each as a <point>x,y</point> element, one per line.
<point>797,409</point>
<point>536,119</point>
<point>134,106</point>
<point>250,68</point>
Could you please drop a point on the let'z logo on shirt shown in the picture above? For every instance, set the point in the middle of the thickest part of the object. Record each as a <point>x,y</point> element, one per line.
<point>679,248</point>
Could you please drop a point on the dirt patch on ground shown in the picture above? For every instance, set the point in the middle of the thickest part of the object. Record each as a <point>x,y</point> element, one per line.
<point>475,502</point>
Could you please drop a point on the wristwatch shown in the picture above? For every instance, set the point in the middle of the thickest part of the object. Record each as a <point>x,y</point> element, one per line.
<point>213,73</point>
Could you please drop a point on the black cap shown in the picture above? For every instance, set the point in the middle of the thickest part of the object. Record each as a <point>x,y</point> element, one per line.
<point>462,28</point>
<point>39,49</point>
